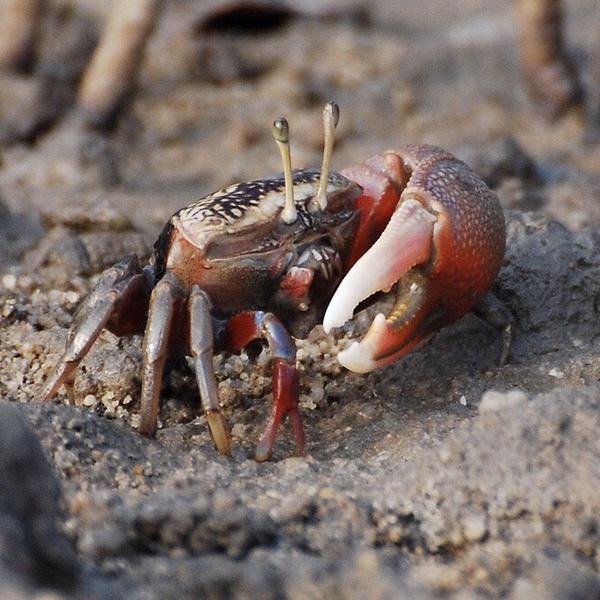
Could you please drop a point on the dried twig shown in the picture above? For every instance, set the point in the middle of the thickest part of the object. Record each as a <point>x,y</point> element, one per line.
<point>549,73</point>
<point>111,72</point>
<point>18,25</point>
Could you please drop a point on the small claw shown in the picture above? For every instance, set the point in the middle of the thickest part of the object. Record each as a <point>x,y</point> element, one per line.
<point>405,242</point>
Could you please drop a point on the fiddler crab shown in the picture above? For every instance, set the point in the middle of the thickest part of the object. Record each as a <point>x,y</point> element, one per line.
<point>269,259</point>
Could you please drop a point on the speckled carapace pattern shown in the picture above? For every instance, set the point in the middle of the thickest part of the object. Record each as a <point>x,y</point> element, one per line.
<point>251,204</point>
<point>470,236</point>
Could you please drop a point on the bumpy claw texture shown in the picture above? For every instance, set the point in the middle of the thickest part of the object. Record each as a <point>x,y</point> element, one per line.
<point>448,235</point>
<point>470,236</point>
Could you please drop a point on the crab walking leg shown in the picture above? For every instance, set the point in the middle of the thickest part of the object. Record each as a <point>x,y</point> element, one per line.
<point>201,345</point>
<point>114,287</point>
<point>156,345</point>
<point>242,329</point>
<point>496,313</point>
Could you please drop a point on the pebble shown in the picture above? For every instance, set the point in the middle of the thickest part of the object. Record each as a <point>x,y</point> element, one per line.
<point>89,400</point>
<point>474,528</point>
<point>445,454</point>
<point>557,373</point>
<point>72,297</point>
<point>9,281</point>
<point>493,400</point>
<point>238,430</point>
<point>327,493</point>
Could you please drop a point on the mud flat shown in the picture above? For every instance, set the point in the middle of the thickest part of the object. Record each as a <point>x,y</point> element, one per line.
<point>442,475</point>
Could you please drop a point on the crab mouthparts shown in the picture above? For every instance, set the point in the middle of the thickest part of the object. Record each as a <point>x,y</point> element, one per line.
<point>405,243</point>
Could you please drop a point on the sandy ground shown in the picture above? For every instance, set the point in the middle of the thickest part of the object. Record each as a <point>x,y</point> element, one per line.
<point>444,475</point>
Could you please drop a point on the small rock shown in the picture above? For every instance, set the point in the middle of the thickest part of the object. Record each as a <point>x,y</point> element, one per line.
<point>493,400</point>
<point>557,373</point>
<point>474,528</point>
<point>32,545</point>
<point>89,400</point>
<point>9,282</point>
<point>445,454</point>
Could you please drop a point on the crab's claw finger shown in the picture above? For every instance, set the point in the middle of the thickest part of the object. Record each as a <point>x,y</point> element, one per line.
<point>405,243</point>
<point>388,339</point>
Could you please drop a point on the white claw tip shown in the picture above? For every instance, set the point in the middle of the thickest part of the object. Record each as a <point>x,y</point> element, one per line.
<point>379,324</point>
<point>355,359</point>
<point>337,314</point>
<point>359,357</point>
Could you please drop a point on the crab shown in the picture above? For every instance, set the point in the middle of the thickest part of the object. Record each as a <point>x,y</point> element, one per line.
<point>268,259</point>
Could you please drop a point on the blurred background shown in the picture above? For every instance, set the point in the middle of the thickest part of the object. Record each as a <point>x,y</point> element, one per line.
<point>119,113</point>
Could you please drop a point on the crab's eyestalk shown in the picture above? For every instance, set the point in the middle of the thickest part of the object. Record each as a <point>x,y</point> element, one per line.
<point>331,117</point>
<point>281,133</point>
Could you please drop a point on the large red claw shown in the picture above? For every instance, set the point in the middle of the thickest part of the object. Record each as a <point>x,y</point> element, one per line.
<point>441,251</point>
